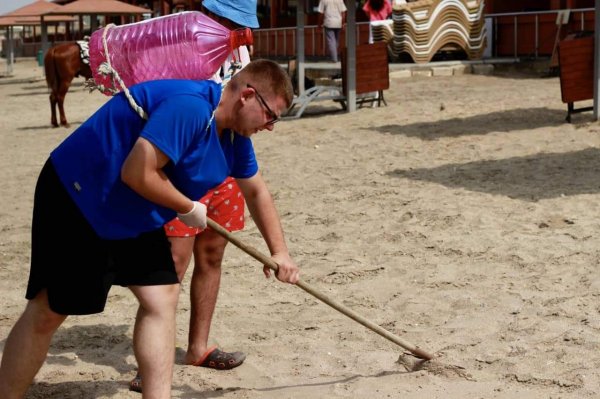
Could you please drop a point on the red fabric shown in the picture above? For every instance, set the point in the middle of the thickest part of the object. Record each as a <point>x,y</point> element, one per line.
<point>224,205</point>
<point>380,15</point>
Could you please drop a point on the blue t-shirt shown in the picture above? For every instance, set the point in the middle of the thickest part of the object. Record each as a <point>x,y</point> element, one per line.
<point>180,124</point>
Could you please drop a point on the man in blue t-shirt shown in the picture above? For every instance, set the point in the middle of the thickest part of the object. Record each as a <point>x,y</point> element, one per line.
<point>105,193</point>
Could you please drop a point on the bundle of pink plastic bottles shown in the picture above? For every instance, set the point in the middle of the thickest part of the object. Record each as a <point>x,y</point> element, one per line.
<point>187,45</point>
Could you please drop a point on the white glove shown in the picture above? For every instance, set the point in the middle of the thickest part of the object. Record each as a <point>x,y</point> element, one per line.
<point>196,217</point>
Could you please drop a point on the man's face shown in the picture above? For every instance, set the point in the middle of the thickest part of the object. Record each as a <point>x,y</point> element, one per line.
<point>258,112</point>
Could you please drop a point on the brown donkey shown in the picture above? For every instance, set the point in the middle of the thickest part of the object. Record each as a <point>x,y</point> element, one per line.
<point>62,63</point>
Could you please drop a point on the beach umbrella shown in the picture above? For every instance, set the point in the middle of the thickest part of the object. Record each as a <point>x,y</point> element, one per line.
<point>35,9</point>
<point>100,7</point>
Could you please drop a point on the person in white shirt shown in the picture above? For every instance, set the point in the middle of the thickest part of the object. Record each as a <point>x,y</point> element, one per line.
<point>332,16</point>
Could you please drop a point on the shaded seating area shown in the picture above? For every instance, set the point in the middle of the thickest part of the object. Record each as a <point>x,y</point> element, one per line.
<point>312,95</point>
<point>45,14</point>
<point>32,15</point>
<point>372,78</point>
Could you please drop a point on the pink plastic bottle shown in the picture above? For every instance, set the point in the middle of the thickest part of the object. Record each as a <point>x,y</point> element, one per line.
<point>187,45</point>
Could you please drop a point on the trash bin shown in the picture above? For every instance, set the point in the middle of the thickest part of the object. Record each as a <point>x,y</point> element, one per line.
<point>40,58</point>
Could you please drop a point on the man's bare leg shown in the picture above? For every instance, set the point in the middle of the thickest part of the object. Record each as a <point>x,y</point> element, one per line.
<point>206,279</point>
<point>182,249</point>
<point>27,346</point>
<point>154,338</point>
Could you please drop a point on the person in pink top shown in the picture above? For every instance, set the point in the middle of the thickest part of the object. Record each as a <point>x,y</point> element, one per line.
<point>377,10</point>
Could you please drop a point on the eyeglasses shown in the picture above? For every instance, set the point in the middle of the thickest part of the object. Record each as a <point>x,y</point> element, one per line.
<point>270,112</point>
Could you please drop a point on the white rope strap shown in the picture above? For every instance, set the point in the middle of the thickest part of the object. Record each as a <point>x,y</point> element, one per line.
<point>106,69</point>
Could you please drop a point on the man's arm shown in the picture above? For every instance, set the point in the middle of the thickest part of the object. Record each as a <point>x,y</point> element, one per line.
<point>262,208</point>
<point>142,172</point>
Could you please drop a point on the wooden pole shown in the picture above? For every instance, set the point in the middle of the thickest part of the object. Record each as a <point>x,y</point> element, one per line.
<point>265,260</point>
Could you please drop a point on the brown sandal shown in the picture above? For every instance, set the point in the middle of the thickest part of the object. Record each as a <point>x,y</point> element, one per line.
<point>135,385</point>
<point>215,358</point>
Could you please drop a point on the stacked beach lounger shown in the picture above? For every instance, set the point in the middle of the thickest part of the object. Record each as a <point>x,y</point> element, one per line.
<point>383,31</point>
<point>424,27</point>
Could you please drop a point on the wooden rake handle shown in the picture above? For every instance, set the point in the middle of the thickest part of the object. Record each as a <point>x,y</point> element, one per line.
<point>420,353</point>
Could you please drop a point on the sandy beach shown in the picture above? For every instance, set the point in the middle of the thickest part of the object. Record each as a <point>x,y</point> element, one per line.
<point>462,217</point>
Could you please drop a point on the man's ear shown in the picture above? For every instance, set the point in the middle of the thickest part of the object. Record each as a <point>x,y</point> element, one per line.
<point>246,94</point>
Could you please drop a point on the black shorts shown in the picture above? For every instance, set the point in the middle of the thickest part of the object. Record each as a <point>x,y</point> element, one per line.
<point>75,265</point>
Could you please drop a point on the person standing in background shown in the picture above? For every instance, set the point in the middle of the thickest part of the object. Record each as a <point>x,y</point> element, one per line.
<point>225,205</point>
<point>332,16</point>
<point>377,10</point>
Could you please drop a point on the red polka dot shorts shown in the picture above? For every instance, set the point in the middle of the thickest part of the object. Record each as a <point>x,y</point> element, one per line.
<point>224,205</point>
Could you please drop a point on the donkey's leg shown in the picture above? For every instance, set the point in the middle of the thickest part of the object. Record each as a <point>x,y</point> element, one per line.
<point>53,102</point>
<point>62,93</point>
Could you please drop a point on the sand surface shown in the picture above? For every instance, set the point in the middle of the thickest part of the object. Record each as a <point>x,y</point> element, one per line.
<point>462,217</point>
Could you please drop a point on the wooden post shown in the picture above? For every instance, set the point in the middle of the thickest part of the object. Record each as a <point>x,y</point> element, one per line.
<point>596,57</point>
<point>273,14</point>
<point>300,45</point>
<point>351,55</point>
